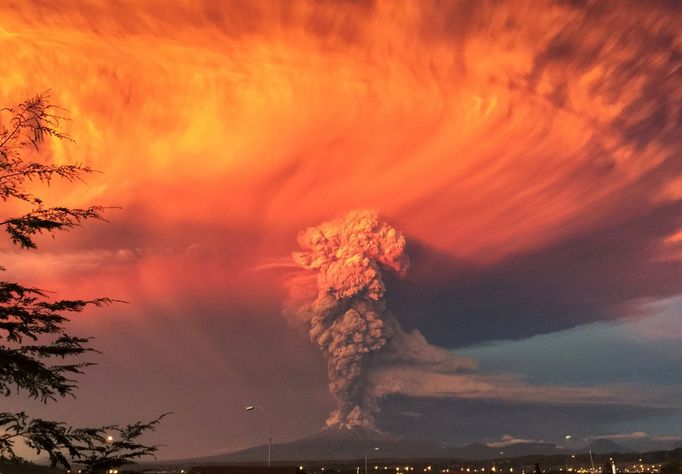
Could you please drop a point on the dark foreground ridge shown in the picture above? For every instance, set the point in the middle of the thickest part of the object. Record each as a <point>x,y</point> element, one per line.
<point>662,462</point>
<point>626,463</point>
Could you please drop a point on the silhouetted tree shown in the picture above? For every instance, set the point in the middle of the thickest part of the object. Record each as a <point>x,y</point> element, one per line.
<point>37,355</point>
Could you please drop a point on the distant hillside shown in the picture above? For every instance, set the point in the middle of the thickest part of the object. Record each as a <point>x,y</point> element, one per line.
<point>335,444</point>
<point>556,460</point>
<point>344,444</point>
<point>8,467</point>
<point>606,446</point>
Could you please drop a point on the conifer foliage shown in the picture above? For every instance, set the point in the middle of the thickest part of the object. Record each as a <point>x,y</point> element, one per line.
<point>38,357</point>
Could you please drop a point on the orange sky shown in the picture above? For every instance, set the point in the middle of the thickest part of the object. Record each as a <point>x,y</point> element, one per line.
<point>483,131</point>
<point>294,112</point>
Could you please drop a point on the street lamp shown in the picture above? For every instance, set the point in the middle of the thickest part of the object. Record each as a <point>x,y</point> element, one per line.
<point>375,449</point>
<point>267,421</point>
<point>589,448</point>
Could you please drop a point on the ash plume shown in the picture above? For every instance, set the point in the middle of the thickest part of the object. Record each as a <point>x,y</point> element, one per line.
<point>347,316</point>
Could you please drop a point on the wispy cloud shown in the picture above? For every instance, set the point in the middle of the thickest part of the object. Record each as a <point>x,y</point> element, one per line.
<point>509,440</point>
<point>421,383</point>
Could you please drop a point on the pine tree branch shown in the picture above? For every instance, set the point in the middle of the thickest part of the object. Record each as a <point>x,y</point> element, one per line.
<point>45,369</point>
<point>91,448</point>
<point>22,229</point>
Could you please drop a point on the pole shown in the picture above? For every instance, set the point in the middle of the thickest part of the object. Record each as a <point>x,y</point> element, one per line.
<point>375,449</point>
<point>269,432</point>
<point>589,448</point>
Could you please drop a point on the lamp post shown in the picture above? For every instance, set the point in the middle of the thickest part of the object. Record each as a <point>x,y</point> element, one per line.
<point>267,421</point>
<point>589,448</point>
<point>375,449</point>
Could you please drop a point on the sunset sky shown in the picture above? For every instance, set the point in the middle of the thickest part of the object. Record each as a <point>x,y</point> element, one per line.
<point>530,152</point>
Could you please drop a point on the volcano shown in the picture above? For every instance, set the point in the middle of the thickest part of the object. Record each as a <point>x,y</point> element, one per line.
<point>334,443</point>
<point>344,444</point>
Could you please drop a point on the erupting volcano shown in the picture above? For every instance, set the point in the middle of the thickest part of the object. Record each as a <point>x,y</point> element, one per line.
<point>347,315</point>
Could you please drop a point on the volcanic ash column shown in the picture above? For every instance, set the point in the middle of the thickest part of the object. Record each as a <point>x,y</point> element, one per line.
<point>348,317</point>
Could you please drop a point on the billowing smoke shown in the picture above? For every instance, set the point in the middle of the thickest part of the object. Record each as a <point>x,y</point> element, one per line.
<point>347,315</point>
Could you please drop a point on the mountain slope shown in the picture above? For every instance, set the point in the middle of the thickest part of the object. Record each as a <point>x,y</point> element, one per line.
<point>343,444</point>
<point>606,446</point>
